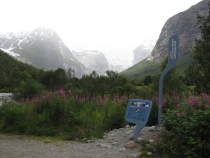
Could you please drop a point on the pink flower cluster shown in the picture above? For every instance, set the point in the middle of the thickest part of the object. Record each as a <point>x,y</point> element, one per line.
<point>48,96</point>
<point>120,100</point>
<point>193,103</point>
<point>156,101</point>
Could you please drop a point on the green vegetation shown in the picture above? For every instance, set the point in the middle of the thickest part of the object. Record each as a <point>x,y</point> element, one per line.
<point>62,114</point>
<point>145,68</point>
<point>142,68</point>
<point>199,71</point>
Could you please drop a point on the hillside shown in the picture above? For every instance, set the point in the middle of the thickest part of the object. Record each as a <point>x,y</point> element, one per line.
<point>8,63</point>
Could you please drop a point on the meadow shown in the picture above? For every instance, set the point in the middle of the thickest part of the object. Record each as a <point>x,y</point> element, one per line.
<point>71,116</point>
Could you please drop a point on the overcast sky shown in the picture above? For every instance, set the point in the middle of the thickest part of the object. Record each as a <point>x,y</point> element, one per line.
<point>106,25</point>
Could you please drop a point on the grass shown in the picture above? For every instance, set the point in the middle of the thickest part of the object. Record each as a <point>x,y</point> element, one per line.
<point>58,114</point>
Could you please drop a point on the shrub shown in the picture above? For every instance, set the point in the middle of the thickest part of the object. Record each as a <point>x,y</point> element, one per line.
<point>187,133</point>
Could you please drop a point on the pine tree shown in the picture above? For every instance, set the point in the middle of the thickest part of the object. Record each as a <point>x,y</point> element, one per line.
<point>199,71</point>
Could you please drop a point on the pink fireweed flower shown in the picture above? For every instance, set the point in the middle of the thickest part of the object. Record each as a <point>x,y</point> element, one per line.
<point>115,100</point>
<point>178,106</point>
<point>70,91</point>
<point>101,101</point>
<point>206,104</point>
<point>199,103</point>
<point>192,109</point>
<point>178,114</point>
<point>43,97</point>
<point>163,101</point>
<point>185,115</point>
<point>204,95</point>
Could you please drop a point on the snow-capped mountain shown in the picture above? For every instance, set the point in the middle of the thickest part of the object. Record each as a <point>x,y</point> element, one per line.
<point>94,60</point>
<point>119,60</point>
<point>41,48</point>
<point>143,50</point>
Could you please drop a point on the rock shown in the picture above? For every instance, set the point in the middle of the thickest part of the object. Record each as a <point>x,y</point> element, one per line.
<point>131,137</point>
<point>90,141</point>
<point>114,143</point>
<point>152,128</point>
<point>151,141</point>
<point>134,155</point>
<point>149,153</point>
<point>130,144</point>
<point>139,139</point>
<point>127,126</point>
<point>103,145</point>
<point>122,149</point>
<point>129,132</point>
<point>111,135</point>
<point>108,146</point>
<point>109,139</point>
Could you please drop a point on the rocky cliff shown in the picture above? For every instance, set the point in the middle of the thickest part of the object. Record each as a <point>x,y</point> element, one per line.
<point>184,24</point>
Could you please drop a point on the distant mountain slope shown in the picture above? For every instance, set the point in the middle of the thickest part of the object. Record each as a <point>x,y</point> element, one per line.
<point>93,60</point>
<point>185,25</point>
<point>143,51</point>
<point>41,48</point>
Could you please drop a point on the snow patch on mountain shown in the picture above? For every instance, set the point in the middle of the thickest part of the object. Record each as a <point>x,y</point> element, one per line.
<point>143,50</point>
<point>10,52</point>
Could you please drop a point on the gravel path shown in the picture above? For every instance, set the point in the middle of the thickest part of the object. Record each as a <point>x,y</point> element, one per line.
<point>112,146</point>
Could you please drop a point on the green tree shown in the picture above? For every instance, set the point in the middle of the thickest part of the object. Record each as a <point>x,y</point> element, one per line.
<point>199,70</point>
<point>60,77</point>
<point>171,81</point>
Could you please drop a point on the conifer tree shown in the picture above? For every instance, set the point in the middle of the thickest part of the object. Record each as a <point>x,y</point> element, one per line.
<point>199,71</point>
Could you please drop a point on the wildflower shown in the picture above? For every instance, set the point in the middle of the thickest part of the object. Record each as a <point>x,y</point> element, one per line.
<point>178,114</point>
<point>199,103</point>
<point>185,115</point>
<point>178,106</point>
<point>193,109</point>
<point>115,100</point>
<point>164,101</point>
<point>204,95</point>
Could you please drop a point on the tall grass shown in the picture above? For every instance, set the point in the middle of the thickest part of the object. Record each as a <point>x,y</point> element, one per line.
<point>60,113</point>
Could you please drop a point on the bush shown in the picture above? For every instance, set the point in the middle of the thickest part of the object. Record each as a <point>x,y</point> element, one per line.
<point>187,133</point>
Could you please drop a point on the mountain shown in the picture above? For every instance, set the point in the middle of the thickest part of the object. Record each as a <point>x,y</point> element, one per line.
<point>184,24</point>
<point>143,51</point>
<point>94,60</point>
<point>42,48</point>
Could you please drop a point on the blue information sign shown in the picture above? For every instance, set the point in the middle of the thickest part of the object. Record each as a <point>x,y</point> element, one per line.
<point>138,112</point>
<point>173,51</point>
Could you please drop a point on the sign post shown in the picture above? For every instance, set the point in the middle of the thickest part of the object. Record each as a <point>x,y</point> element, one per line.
<point>173,51</point>
<point>138,112</point>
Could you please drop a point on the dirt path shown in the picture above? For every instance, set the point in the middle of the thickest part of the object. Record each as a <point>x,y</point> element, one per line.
<point>16,146</point>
